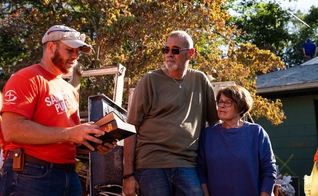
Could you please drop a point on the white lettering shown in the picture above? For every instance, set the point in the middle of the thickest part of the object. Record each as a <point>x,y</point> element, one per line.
<point>61,101</point>
<point>60,107</point>
<point>48,101</point>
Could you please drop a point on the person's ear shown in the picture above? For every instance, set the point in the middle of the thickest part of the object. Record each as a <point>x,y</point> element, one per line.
<point>51,46</point>
<point>191,53</point>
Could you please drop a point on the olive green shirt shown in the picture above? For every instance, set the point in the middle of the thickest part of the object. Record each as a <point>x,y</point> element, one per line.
<point>170,118</point>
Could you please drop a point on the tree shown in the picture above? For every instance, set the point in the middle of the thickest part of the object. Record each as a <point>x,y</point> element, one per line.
<point>133,32</point>
<point>301,32</point>
<point>264,24</point>
<point>267,25</point>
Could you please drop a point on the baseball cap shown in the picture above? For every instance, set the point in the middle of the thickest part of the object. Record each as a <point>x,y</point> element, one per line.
<point>68,36</point>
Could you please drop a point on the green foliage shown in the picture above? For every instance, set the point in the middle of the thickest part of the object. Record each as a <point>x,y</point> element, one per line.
<point>269,26</point>
<point>263,24</point>
<point>133,32</point>
<point>294,54</point>
<point>243,66</point>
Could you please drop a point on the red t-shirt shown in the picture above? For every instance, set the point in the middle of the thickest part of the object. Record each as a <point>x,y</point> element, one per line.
<point>316,156</point>
<point>48,100</point>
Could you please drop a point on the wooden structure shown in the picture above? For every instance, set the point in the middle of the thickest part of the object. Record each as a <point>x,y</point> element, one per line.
<point>118,72</point>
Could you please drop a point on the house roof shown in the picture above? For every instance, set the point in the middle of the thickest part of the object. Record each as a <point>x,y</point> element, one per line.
<point>295,79</point>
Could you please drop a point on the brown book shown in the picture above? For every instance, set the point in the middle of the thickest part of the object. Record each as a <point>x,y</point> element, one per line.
<point>107,118</point>
<point>115,129</point>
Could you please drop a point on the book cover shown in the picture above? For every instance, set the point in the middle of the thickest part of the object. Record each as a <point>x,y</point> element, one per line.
<point>115,129</point>
<point>108,118</point>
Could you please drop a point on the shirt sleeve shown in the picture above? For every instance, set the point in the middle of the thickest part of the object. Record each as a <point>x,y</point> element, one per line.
<point>140,103</point>
<point>267,163</point>
<point>20,95</point>
<point>211,104</point>
<point>201,162</point>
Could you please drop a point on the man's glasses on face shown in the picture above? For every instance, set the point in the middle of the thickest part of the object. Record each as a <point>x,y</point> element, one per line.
<point>173,50</point>
<point>227,103</point>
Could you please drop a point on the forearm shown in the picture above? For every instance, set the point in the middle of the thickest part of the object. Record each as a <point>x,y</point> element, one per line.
<point>263,193</point>
<point>130,185</point>
<point>18,129</point>
<point>129,154</point>
<point>205,190</point>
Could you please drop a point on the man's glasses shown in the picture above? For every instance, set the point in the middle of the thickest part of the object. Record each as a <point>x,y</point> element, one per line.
<point>227,103</point>
<point>173,50</point>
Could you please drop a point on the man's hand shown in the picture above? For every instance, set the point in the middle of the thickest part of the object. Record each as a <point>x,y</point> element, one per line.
<point>263,193</point>
<point>81,134</point>
<point>106,147</point>
<point>131,187</point>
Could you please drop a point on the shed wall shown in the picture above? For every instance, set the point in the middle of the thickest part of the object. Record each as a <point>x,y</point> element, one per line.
<point>295,141</point>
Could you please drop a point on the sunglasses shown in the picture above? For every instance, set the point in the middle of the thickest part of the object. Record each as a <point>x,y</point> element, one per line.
<point>173,50</point>
<point>68,34</point>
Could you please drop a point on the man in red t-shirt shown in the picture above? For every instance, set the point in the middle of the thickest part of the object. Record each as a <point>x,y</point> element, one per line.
<point>41,120</point>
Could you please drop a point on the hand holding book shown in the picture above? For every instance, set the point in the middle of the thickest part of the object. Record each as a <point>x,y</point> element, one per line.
<point>115,128</point>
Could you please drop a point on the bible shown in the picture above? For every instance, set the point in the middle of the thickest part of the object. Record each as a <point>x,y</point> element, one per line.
<point>116,129</point>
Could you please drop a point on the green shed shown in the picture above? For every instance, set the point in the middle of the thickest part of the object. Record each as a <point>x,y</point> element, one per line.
<point>295,141</point>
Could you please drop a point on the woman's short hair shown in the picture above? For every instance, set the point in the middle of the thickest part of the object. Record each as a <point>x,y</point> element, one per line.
<point>239,95</point>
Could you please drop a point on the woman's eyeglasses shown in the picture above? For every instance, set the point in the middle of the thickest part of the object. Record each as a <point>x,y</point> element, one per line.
<point>227,103</point>
<point>173,50</point>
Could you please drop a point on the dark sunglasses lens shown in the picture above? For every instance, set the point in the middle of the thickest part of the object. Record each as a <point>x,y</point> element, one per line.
<point>175,51</point>
<point>165,50</point>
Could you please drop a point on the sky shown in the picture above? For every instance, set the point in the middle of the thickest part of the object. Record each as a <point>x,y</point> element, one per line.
<point>302,5</point>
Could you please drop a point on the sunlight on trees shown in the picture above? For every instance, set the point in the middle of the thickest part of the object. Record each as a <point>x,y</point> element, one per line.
<point>132,33</point>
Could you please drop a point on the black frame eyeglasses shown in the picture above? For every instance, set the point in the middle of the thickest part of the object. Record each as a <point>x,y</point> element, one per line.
<point>173,50</point>
<point>227,103</point>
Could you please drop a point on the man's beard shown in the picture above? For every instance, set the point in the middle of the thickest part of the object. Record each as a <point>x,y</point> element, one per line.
<point>58,62</point>
<point>173,67</point>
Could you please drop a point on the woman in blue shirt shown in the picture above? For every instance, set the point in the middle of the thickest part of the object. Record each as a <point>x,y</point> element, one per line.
<point>235,156</point>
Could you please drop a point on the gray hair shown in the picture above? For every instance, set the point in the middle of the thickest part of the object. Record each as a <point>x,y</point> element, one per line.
<point>183,34</point>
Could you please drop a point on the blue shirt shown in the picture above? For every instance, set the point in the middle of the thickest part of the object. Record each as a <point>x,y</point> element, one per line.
<point>236,161</point>
<point>310,48</point>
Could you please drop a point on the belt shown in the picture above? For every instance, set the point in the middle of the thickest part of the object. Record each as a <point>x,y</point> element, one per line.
<point>31,159</point>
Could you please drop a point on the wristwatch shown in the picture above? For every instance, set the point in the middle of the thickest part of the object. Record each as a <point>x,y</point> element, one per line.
<point>128,176</point>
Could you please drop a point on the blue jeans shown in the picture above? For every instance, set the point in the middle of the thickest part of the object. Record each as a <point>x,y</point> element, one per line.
<point>39,180</point>
<point>169,182</point>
